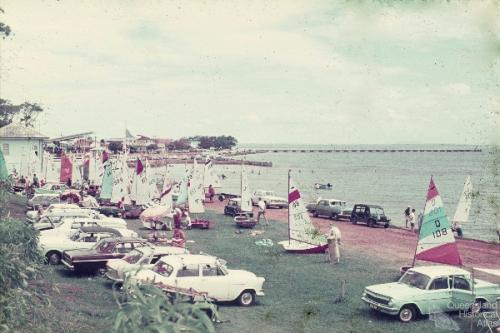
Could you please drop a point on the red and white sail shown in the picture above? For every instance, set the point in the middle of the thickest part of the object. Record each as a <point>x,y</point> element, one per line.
<point>436,240</point>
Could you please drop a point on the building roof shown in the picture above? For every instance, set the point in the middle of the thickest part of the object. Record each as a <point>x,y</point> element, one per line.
<point>17,131</point>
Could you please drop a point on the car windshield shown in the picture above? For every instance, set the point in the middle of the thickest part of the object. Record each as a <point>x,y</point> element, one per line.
<point>415,279</point>
<point>163,269</point>
<point>377,211</point>
<point>133,257</point>
<point>76,236</point>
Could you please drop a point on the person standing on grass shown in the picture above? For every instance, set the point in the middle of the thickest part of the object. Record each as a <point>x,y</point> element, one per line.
<point>262,211</point>
<point>211,192</point>
<point>333,239</point>
<point>411,219</point>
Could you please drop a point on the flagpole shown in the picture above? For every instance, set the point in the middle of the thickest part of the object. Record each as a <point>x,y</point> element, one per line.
<point>288,195</point>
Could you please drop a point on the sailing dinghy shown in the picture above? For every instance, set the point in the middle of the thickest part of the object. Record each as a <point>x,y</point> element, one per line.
<point>245,218</point>
<point>436,241</point>
<point>303,238</point>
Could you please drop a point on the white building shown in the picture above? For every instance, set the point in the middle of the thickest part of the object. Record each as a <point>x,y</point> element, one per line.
<point>22,148</point>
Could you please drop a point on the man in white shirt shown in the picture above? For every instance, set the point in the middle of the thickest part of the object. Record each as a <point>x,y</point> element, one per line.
<point>262,211</point>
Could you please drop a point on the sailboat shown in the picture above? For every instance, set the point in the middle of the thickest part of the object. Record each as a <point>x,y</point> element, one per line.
<point>107,178</point>
<point>210,177</point>
<point>436,242</point>
<point>140,188</point>
<point>303,238</point>
<point>245,218</point>
<point>464,204</point>
<point>195,191</point>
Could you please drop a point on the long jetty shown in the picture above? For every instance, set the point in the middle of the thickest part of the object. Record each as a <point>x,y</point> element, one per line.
<point>260,151</point>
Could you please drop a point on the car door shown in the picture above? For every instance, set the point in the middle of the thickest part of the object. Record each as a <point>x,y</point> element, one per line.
<point>322,207</point>
<point>462,297</point>
<point>189,277</point>
<point>438,295</point>
<point>214,282</point>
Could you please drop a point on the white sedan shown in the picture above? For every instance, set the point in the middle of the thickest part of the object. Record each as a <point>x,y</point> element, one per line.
<point>142,257</point>
<point>206,274</point>
<point>53,245</point>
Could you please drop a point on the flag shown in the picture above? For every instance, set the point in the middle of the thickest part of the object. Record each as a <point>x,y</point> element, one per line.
<point>66,168</point>
<point>105,156</point>
<point>139,167</point>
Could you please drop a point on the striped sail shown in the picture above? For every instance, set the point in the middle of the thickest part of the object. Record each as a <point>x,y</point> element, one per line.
<point>300,224</point>
<point>436,241</point>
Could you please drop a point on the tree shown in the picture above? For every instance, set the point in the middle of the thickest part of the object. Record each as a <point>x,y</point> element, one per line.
<point>181,144</point>
<point>25,113</point>
<point>207,142</point>
<point>225,142</point>
<point>115,146</point>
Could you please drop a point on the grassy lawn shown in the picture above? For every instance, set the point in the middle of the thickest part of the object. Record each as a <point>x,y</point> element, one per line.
<point>301,291</point>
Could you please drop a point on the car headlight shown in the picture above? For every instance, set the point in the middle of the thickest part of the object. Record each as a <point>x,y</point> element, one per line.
<point>391,302</point>
<point>364,294</point>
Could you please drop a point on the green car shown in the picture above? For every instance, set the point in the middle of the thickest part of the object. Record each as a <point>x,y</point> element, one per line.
<point>431,289</point>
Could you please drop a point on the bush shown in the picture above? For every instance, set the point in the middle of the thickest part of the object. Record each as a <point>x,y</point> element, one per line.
<point>147,308</point>
<point>20,262</point>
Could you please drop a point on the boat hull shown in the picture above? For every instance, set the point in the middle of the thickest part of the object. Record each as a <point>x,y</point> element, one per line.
<point>303,248</point>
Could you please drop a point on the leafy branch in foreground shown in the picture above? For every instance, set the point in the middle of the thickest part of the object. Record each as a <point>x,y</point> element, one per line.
<point>147,308</point>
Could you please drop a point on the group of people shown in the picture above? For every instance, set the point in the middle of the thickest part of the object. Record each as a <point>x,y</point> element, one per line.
<point>411,218</point>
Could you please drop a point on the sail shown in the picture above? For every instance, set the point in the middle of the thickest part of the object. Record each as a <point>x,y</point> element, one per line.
<point>464,204</point>
<point>118,182</point>
<point>167,189</point>
<point>210,176</point>
<point>107,181</point>
<point>299,222</point>
<point>436,241</point>
<point>140,185</point>
<point>76,175</point>
<point>66,168</point>
<point>195,191</point>
<point>4,174</point>
<point>246,195</point>
<point>152,184</point>
<point>93,169</point>
<point>35,164</point>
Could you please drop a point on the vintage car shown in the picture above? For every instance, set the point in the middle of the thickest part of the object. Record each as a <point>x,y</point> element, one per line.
<point>270,199</point>
<point>48,221</point>
<point>331,208</point>
<point>142,257</point>
<point>132,211</point>
<point>430,289</point>
<point>52,187</point>
<point>69,226</point>
<point>96,258</point>
<point>52,245</point>
<point>204,274</point>
<point>372,215</point>
<point>43,200</point>
<point>233,207</point>
<point>34,215</point>
<point>110,211</point>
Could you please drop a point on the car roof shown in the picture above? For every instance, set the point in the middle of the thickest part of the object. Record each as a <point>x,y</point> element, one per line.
<point>439,270</point>
<point>189,259</point>
<point>126,239</point>
<point>100,229</point>
<point>371,206</point>
<point>336,200</point>
<point>235,199</point>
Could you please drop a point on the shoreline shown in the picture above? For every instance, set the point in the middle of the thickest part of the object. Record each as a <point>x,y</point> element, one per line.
<point>396,244</point>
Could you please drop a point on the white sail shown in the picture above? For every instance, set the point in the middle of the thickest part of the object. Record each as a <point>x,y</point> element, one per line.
<point>246,195</point>
<point>140,185</point>
<point>118,182</point>
<point>464,204</point>
<point>210,176</point>
<point>76,173</point>
<point>300,224</point>
<point>35,164</point>
<point>195,191</point>
<point>167,189</point>
<point>126,184</point>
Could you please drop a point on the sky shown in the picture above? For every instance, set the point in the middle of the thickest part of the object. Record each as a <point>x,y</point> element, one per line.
<point>319,72</point>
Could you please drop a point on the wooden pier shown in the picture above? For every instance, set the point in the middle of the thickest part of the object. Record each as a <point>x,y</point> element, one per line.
<point>260,151</point>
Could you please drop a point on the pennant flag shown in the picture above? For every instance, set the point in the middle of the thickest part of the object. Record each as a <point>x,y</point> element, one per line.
<point>436,241</point>
<point>66,168</point>
<point>139,167</point>
<point>4,174</point>
<point>105,156</point>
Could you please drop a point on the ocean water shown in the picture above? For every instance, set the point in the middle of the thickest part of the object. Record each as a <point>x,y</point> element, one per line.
<point>392,180</point>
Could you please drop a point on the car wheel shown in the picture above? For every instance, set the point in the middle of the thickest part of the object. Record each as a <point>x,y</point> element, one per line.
<point>53,258</point>
<point>334,216</point>
<point>266,204</point>
<point>386,225</point>
<point>370,223</point>
<point>407,313</point>
<point>315,214</point>
<point>478,306</point>
<point>354,220</point>
<point>246,298</point>
<point>225,212</point>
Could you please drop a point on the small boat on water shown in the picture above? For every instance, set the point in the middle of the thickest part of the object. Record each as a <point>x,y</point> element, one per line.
<point>319,186</point>
<point>303,237</point>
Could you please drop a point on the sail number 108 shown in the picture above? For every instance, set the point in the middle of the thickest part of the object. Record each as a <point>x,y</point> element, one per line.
<point>439,232</point>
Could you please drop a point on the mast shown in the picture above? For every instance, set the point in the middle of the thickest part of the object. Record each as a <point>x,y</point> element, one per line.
<point>241,185</point>
<point>288,194</point>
